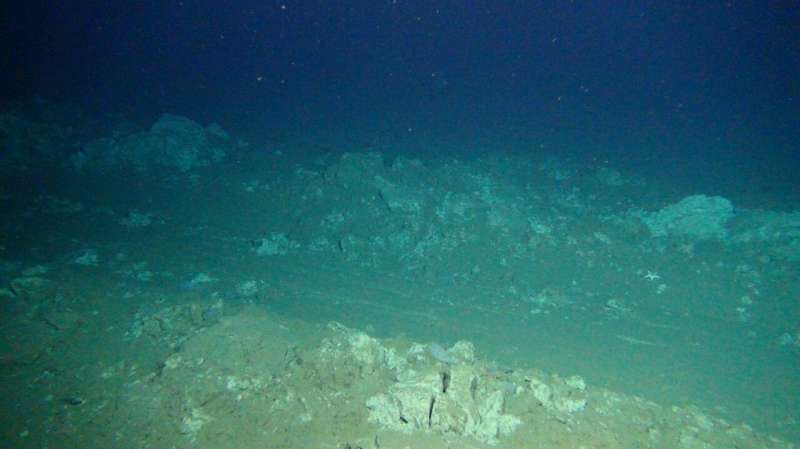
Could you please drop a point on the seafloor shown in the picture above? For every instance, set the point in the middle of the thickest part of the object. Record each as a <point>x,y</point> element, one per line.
<point>233,296</point>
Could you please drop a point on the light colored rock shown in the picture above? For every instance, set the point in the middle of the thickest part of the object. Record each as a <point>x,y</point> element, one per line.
<point>456,400</point>
<point>697,216</point>
<point>276,244</point>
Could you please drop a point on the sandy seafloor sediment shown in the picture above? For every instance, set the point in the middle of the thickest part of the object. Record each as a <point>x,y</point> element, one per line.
<point>351,301</point>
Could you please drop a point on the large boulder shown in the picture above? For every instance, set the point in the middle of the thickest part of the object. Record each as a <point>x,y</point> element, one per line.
<point>698,216</point>
<point>173,142</point>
